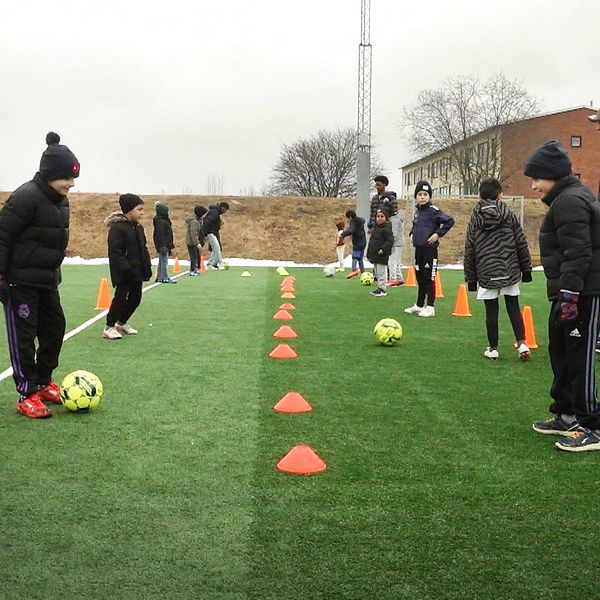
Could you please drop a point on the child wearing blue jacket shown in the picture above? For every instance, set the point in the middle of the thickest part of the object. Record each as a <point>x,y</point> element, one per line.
<point>428,226</point>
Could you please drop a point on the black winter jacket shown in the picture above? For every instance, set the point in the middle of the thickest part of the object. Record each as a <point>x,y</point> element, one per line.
<point>163,233</point>
<point>387,202</point>
<point>570,239</point>
<point>356,229</point>
<point>128,255</point>
<point>429,219</point>
<point>212,220</point>
<point>34,233</point>
<point>496,251</point>
<point>382,238</point>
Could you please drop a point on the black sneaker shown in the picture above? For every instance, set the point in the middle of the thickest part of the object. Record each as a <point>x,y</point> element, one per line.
<point>582,440</point>
<point>378,293</point>
<point>555,425</point>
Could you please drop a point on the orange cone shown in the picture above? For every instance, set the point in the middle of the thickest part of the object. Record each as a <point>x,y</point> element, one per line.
<point>285,332</point>
<point>461,308</point>
<point>529,330</point>
<point>301,460</point>
<point>282,315</point>
<point>287,288</point>
<point>202,267</point>
<point>176,267</point>
<point>293,402</point>
<point>287,295</point>
<point>439,292</point>
<point>283,351</point>
<point>287,306</point>
<point>103,301</point>
<point>411,278</point>
<point>289,279</point>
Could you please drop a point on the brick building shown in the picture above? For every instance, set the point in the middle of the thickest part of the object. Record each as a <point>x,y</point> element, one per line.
<point>502,152</point>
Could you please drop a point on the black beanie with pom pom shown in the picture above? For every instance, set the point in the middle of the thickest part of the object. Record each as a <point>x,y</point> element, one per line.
<point>57,161</point>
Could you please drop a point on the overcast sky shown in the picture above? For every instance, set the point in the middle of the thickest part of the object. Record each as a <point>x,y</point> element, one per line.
<point>156,97</point>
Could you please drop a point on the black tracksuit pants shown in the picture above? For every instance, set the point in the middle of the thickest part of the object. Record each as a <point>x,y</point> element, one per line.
<point>425,270</point>
<point>571,346</point>
<point>127,298</point>
<point>33,313</point>
<point>194,257</point>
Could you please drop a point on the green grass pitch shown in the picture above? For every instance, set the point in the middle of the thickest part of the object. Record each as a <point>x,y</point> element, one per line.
<point>436,486</point>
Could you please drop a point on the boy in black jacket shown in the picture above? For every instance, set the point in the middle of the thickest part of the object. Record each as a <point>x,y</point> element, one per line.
<point>379,249</point>
<point>163,241</point>
<point>429,225</point>
<point>570,253</point>
<point>34,231</point>
<point>129,262</point>
<point>356,229</point>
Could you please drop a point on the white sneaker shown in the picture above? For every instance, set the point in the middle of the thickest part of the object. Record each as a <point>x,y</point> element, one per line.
<point>126,329</point>
<point>523,350</point>
<point>111,333</point>
<point>428,311</point>
<point>413,310</point>
<point>491,354</point>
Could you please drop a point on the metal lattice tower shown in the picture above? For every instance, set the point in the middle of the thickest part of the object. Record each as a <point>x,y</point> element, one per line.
<point>363,163</point>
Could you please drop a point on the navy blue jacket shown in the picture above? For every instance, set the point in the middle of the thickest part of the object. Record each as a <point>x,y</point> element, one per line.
<point>429,219</point>
<point>356,229</point>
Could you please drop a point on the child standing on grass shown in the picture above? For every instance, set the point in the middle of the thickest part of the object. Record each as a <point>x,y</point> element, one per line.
<point>339,245</point>
<point>356,229</point>
<point>163,242</point>
<point>34,230</point>
<point>429,225</point>
<point>497,258</point>
<point>194,240</point>
<point>378,252</point>
<point>129,263</point>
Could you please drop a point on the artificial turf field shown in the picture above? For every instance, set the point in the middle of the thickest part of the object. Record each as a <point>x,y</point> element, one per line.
<point>436,486</point>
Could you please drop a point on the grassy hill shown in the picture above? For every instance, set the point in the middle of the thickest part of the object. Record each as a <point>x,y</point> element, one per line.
<point>285,228</point>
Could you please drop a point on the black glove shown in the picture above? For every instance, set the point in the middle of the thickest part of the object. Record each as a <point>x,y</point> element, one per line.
<point>567,303</point>
<point>3,289</point>
<point>526,277</point>
<point>472,285</point>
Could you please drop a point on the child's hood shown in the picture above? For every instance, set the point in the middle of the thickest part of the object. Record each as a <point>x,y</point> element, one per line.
<point>162,210</point>
<point>189,218</point>
<point>491,214</point>
<point>340,224</point>
<point>114,217</point>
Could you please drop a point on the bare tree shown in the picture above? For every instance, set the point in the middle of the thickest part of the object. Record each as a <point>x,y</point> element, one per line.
<point>323,166</point>
<point>450,117</point>
<point>214,185</point>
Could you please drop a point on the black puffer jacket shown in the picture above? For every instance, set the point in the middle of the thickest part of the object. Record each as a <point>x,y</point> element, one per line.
<point>570,239</point>
<point>382,238</point>
<point>496,252</point>
<point>212,220</point>
<point>387,201</point>
<point>34,233</point>
<point>128,255</point>
<point>163,230</point>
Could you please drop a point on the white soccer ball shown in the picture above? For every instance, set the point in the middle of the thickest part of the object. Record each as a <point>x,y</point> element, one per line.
<point>329,271</point>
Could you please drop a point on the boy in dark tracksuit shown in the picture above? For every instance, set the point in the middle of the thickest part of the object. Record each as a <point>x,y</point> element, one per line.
<point>163,241</point>
<point>570,254</point>
<point>129,263</point>
<point>356,229</point>
<point>34,232</point>
<point>429,225</point>
<point>379,249</point>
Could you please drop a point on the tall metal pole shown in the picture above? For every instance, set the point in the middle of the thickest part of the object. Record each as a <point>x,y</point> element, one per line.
<point>363,162</point>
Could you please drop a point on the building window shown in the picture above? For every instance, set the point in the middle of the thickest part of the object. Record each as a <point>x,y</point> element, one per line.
<point>575,141</point>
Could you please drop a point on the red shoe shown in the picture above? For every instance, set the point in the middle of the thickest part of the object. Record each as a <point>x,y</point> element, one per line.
<point>32,406</point>
<point>352,274</point>
<point>50,392</point>
<point>394,283</point>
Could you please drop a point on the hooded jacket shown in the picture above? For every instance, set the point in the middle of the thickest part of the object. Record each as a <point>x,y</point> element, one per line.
<point>128,256</point>
<point>382,238</point>
<point>570,239</point>
<point>163,231</point>
<point>496,251</point>
<point>34,233</point>
<point>212,220</point>
<point>356,229</point>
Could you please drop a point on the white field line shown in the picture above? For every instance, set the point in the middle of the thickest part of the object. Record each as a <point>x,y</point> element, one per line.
<point>8,372</point>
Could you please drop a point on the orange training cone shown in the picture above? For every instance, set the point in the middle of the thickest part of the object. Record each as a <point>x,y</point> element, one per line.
<point>283,351</point>
<point>287,295</point>
<point>293,402</point>
<point>439,292</point>
<point>176,267</point>
<point>529,330</point>
<point>288,288</point>
<point>103,301</point>
<point>285,332</point>
<point>411,278</point>
<point>287,306</point>
<point>461,308</point>
<point>289,279</point>
<point>282,315</point>
<point>301,460</point>
<point>202,267</point>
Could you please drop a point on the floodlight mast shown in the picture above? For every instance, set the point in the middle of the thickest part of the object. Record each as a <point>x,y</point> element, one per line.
<point>363,162</point>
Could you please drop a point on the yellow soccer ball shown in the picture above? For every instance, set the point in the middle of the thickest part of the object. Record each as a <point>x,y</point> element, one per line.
<point>81,391</point>
<point>388,332</point>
